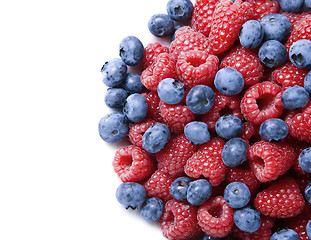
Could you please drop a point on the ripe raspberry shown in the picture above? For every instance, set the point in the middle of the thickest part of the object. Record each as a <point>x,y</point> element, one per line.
<point>250,133</point>
<point>152,50</point>
<point>153,102</point>
<point>179,221</point>
<point>196,67</point>
<point>207,162</point>
<point>132,164</point>
<point>282,199</point>
<point>294,18</point>
<point>261,102</point>
<point>228,18</point>
<point>215,217</point>
<point>175,154</point>
<point>137,130</point>
<point>246,62</point>
<point>269,160</point>
<point>262,8</point>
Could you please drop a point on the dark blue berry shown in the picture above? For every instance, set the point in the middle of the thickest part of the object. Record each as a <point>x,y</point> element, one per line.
<point>132,83</point>
<point>285,234</point>
<point>115,97</point>
<point>272,53</point>
<point>152,209</point>
<point>135,107</point>
<point>251,34</point>
<point>197,132</point>
<point>305,160</point>
<point>237,195</point>
<point>299,53</point>
<point>114,72</point>
<point>171,91</point>
<point>307,83</point>
<point>247,219</point>
<point>229,81</point>
<point>179,10</point>
<point>199,191</point>
<point>156,137</point>
<point>234,152</point>
<point>273,129</point>
<point>131,194</point>
<point>200,99</point>
<point>308,192</point>
<point>229,126</point>
<point>113,127</point>
<point>161,25</point>
<point>308,229</point>
<point>295,97</point>
<point>131,51</point>
<point>179,187</point>
<point>294,6</point>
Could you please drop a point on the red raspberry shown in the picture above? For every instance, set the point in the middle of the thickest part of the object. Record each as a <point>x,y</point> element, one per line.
<point>137,130</point>
<point>152,50</point>
<point>261,102</point>
<point>246,62</point>
<point>215,217</point>
<point>179,221</point>
<point>132,164</point>
<point>228,18</point>
<point>207,162</point>
<point>173,157</point>
<point>250,133</point>
<point>269,160</point>
<point>294,18</point>
<point>153,102</point>
<point>196,67</point>
<point>262,8</point>
<point>282,199</point>
<point>176,116</point>
<point>163,67</point>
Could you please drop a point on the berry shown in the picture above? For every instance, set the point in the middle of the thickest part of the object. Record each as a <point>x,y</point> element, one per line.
<point>299,53</point>
<point>307,83</point>
<point>237,195</point>
<point>152,50</point>
<point>273,129</point>
<point>152,209</point>
<point>251,34</point>
<point>115,97</point>
<point>229,126</point>
<point>113,127</point>
<point>179,10</point>
<point>199,191</point>
<point>131,51</point>
<point>308,192</point>
<point>285,234</point>
<point>229,81</point>
<point>295,97</point>
<point>308,228</point>
<point>247,219</point>
<point>272,53</point>
<point>171,91</point>
<point>197,132</point>
<point>161,25</point>
<point>153,101</point>
<point>155,138</point>
<point>291,5</point>
<point>234,152</point>
<point>179,187</point>
<point>135,107</point>
<point>137,130</point>
<point>114,72</point>
<point>131,194</point>
<point>308,6</point>
<point>132,83</point>
<point>200,99</point>
<point>262,8</point>
<point>305,160</point>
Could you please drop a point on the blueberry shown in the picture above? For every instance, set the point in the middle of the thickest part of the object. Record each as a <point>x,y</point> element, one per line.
<point>131,194</point>
<point>132,83</point>
<point>308,229</point>
<point>113,127</point>
<point>199,191</point>
<point>273,129</point>
<point>229,126</point>
<point>251,34</point>
<point>135,107</point>
<point>115,97</point>
<point>161,25</point>
<point>229,81</point>
<point>276,27</point>
<point>234,152</point>
<point>131,51</point>
<point>156,137</point>
<point>179,187</point>
<point>200,99</point>
<point>308,192</point>
<point>308,6</point>
<point>299,53</point>
<point>307,83</point>
<point>114,72</point>
<point>295,97</point>
<point>294,6</point>
<point>272,53</point>
<point>179,10</point>
<point>171,91</point>
<point>247,219</point>
<point>305,160</point>
<point>197,132</point>
<point>152,209</point>
<point>237,195</point>
<point>285,234</point>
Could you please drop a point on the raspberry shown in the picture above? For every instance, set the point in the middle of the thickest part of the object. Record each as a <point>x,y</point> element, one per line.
<point>153,102</point>
<point>250,133</point>
<point>152,50</point>
<point>282,199</point>
<point>196,67</point>
<point>138,129</point>
<point>175,154</point>
<point>262,8</point>
<point>207,162</point>
<point>228,18</point>
<point>132,164</point>
<point>269,160</point>
<point>179,221</point>
<point>261,102</point>
<point>246,62</point>
<point>215,217</point>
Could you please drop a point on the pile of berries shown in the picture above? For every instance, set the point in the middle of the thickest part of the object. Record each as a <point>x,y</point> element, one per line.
<point>219,120</point>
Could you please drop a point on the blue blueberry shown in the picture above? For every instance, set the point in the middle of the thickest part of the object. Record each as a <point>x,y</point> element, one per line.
<point>308,192</point>
<point>229,126</point>
<point>114,72</point>
<point>273,129</point>
<point>132,83</point>
<point>156,137</point>
<point>197,132</point>
<point>131,194</point>
<point>199,191</point>
<point>299,53</point>
<point>179,187</point>
<point>179,10</point>
<point>206,237</point>
<point>272,53</point>
<point>200,99</point>
<point>234,152</point>
<point>152,209</point>
<point>308,6</point>
<point>285,234</point>
<point>131,51</point>
<point>247,219</point>
<point>135,107</point>
<point>307,83</point>
<point>229,81</point>
<point>295,97</point>
<point>171,91</point>
<point>237,195</point>
<point>161,25</point>
<point>305,160</point>
<point>276,27</point>
<point>113,127</point>
<point>251,34</point>
<point>294,6</point>
<point>115,97</point>
<point>308,229</point>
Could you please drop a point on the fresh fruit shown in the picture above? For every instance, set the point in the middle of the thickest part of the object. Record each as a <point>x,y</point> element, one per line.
<point>237,195</point>
<point>152,209</point>
<point>155,138</point>
<point>197,132</point>
<point>135,107</point>
<point>115,97</point>
<point>161,25</point>
<point>273,129</point>
<point>131,51</point>
<point>299,53</point>
<point>251,34</point>
<point>179,187</point>
<point>132,84</point>
<point>114,72</point>
<point>171,91</point>
<point>295,97</point>
<point>291,5</point>
<point>229,126</point>
<point>199,191</point>
<point>307,83</point>
<point>305,160</point>
<point>272,53</point>
<point>247,219</point>
<point>234,152</point>
<point>131,194</point>
<point>179,10</point>
<point>285,234</point>
<point>200,99</point>
<point>307,192</point>
<point>229,81</point>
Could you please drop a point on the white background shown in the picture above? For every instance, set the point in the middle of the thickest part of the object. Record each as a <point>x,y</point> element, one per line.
<point>56,178</point>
